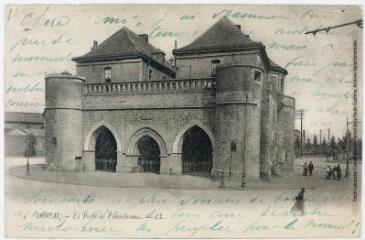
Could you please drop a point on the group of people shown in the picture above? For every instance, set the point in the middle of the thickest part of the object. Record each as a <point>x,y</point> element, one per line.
<point>334,173</point>
<point>308,169</point>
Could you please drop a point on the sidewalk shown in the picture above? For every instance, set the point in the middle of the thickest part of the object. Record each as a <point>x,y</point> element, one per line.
<point>149,180</point>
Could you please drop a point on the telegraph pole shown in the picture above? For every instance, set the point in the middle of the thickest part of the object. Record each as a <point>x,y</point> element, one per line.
<point>358,23</point>
<point>347,174</point>
<point>299,114</point>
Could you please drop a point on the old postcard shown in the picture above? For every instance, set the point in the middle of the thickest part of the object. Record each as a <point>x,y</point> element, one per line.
<point>183,121</point>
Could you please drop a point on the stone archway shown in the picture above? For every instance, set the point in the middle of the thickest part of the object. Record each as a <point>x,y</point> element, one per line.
<point>146,151</point>
<point>96,148</point>
<point>195,136</point>
<point>89,144</point>
<point>148,155</point>
<point>105,150</point>
<point>132,146</point>
<point>196,153</point>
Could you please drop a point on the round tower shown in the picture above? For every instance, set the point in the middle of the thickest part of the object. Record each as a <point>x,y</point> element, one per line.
<point>63,120</point>
<point>238,102</point>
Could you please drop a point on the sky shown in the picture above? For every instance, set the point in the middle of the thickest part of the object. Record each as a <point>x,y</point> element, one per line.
<point>42,39</point>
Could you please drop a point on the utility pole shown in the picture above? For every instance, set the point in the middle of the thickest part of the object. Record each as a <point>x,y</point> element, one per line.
<point>347,174</point>
<point>299,114</point>
<point>328,139</point>
<point>320,136</point>
<point>358,23</point>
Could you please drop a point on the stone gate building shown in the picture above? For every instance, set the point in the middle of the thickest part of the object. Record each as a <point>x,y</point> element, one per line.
<point>217,106</point>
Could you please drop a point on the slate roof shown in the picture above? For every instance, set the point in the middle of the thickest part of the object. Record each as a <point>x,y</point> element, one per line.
<point>24,132</point>
<point>222,35</point>
<point>276,67</point>
<point>23,117</point>
<point>123,44</point>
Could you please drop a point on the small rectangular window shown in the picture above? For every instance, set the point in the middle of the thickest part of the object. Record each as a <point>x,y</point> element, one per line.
<point>108,74</point>
<point>233,146</point>
<point>257,76</point>
<point>149,74</point>
<point>215,62</point>
<point>273,82</point>
<point>282,85</point>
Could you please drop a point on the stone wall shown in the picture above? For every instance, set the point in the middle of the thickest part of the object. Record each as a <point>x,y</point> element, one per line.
<point>200,65</point>
<point>166,126</point>
<point>63,120</point>
<point>286,132</point>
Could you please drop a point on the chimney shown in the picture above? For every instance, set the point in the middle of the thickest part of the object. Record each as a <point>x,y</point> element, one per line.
<point>175,43</point>
<point>144,36</point>
<point>95,44</point>
<point>239,27</point>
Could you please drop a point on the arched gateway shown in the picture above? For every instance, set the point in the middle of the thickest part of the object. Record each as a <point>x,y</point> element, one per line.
<point>105,150</point>
<point>197,153</point>
<point>195,144</point>
<point>102,143</point>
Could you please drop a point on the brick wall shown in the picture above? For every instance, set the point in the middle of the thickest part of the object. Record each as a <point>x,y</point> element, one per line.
<point>163,123</point>
<point>200,65</point>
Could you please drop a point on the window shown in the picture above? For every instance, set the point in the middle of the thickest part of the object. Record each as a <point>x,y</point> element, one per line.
<point>257,76</point>
<point>215,62</point>
<point>282,85</point>
<point>233,146</point>
<point>108,74</point>
<point>149,74</point>
<point>273,82</point>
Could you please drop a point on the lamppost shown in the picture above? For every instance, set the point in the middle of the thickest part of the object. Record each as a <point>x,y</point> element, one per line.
<point>29,152</point>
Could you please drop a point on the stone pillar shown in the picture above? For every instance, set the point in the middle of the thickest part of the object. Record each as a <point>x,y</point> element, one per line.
<point>175,163</point>
<point>127,163</point>
<point>89,160</point>
<point>164,165</point>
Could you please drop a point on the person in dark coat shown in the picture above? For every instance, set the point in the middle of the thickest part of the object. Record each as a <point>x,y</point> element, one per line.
<point>310,168</point>
<point>305,169</point>
<point>334,171</point>
<point>299,202</point>
<point>338,172</point>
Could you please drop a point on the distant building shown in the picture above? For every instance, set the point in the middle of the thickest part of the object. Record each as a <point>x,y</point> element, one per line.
<point>17,126</point>
<point>217,106</point>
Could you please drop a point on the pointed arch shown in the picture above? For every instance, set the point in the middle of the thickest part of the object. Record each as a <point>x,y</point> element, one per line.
<point>146,131</point>
<point>89,144</point>
<point>177,146</point>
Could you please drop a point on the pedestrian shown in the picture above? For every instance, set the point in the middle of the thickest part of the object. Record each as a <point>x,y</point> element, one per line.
<point>299,202</point>
<point>305,169</point>
<point>338,172</point>
<point>329,172</point>
<point>310,168</point>
<point>334,171</point>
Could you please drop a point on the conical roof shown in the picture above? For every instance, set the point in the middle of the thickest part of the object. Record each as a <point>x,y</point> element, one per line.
<point>222,35</point>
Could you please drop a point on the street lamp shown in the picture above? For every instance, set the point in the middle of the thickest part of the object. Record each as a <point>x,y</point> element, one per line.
<point>29,152</point>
